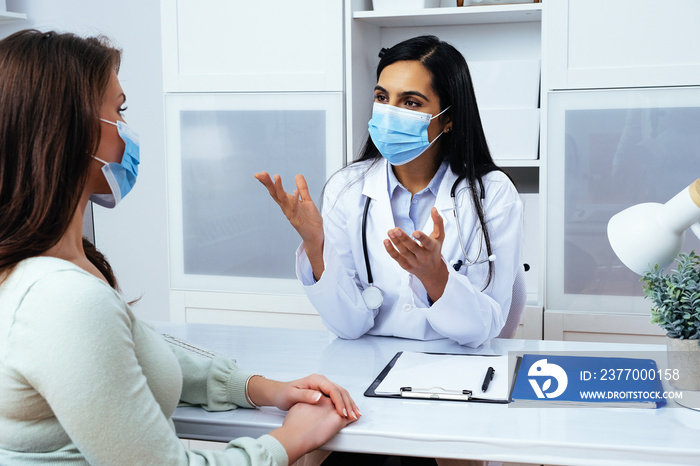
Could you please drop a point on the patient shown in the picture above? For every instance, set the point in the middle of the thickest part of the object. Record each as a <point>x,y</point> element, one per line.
<point>82,380</point>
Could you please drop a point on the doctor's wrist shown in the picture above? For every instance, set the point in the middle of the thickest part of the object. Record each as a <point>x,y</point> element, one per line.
<point>315,256</point>
<point>313,248</point>
<point>435,285</point>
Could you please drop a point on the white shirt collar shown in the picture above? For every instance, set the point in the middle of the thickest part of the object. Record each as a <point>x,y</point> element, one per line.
<point>433,186</point>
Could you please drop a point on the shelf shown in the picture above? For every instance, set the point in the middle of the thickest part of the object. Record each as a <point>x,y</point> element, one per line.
<point>6,17</point>
<point>488,14</point>
<point>510,163</point>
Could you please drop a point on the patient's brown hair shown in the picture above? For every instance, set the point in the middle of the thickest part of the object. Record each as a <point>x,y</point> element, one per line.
<point>51,89</point>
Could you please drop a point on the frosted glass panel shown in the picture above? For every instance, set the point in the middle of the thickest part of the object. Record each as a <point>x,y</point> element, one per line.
<point>638,146</point>
<point>226,231</point>
<point>231,225</point>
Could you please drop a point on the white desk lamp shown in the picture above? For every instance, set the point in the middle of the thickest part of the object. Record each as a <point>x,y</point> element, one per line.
<point>653,233</point>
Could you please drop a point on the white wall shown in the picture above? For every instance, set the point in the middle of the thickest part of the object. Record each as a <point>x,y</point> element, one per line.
<point>134,235</point>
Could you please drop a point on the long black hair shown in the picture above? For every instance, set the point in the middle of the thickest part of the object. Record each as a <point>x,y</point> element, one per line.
<point>464,148</point>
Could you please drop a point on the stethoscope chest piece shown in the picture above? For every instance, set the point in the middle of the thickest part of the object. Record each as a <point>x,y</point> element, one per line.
<point>373,297</point>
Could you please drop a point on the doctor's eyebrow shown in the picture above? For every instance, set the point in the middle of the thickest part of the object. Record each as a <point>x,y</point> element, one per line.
<point>403,94</point>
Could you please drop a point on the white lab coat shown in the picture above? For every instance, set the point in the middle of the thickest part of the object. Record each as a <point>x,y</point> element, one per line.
<point>464,313</point>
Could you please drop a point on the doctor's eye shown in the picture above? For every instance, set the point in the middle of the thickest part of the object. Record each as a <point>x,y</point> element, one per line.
<point>380,98</point>
<point>122,109</point>
<point>412,104</point>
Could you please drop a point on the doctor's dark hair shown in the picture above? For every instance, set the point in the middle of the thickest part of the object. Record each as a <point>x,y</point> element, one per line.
<point>464,148</point>
<point>51,89</point>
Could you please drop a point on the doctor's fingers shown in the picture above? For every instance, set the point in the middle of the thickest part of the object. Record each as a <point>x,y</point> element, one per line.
<point>433,242</point>
<point>406,244</point>
<point>438,226</point>
<point>391,250</point>
<point>281,194</point>
<point>401,247</point>
<point>302,188</point>
<point>428,244</point>
<point>264,179</point>
<point>273,187</point>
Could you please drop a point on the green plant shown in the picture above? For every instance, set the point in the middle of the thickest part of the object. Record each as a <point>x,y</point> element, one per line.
<point>676,297</point>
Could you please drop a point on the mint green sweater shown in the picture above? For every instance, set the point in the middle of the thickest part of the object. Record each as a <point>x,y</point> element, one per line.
<point>83,381</point>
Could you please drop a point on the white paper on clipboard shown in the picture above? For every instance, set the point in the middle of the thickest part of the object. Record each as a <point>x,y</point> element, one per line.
<point>439,373</point>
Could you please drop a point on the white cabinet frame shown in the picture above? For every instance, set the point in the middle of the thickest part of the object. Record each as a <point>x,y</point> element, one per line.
<point>622,43</point>
<point>329,103</point>
<point>242,46</point>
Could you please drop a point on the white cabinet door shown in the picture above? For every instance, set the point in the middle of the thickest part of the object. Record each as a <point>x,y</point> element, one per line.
<point>226,233</point>
<point>234,45</point>
<point>622,43</point>
<point>608,150</point>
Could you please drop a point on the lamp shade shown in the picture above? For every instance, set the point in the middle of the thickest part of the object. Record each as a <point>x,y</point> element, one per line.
<point>651,233</point>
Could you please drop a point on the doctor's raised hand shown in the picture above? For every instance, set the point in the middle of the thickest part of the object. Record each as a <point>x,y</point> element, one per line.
<point>302,213</point>
<point>421,255</point>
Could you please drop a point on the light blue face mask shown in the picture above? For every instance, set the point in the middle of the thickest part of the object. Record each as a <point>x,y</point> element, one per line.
<point>121,177</point>
<point>399,134</point>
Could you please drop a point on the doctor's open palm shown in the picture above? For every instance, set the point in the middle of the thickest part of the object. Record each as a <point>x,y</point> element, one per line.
<point>298,207</point>
<point>421,254</point>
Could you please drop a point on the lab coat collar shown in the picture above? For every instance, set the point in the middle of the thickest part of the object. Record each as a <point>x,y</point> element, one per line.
<point>375,184</point>
<point>375,187</point>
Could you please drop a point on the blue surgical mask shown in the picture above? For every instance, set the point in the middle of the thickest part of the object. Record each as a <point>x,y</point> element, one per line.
<point>399,134</point>
<point>121,177</point>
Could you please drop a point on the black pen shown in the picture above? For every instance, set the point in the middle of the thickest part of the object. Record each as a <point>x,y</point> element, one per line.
<point>487,379</point>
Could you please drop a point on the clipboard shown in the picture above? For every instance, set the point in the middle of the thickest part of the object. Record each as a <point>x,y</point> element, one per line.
<point>446,376</point>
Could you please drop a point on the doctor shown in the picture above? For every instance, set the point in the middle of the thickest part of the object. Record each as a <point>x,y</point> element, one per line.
<point>420,237</point>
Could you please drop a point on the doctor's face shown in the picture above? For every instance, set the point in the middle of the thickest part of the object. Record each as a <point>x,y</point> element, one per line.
<point>409,85</point>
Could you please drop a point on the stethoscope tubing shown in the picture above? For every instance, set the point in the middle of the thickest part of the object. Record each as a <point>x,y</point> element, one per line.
<point>364,241</point>
<point>482,195</point>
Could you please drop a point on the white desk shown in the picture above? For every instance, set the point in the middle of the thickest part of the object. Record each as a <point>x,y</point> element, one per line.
<point>600,436</point>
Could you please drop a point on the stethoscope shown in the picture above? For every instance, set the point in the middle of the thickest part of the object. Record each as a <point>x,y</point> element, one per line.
<point>373,296</point>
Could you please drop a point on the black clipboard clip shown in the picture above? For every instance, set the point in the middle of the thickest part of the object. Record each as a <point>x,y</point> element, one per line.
<point>436,393</point>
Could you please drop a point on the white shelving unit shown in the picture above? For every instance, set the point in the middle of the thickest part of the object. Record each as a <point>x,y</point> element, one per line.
<point>503,32</point>
<point>487,14</point>
<point>508,163</point>
<point>482,33</point>
<point>8,17</point>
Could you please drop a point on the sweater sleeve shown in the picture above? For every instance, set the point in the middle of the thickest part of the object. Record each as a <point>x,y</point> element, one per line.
<point>71,341</point>
<point>211,381</point>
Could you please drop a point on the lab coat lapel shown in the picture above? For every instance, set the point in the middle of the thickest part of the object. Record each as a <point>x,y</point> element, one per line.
<point>375,187</point>
<point>380,221</point>
<point>443,201</point>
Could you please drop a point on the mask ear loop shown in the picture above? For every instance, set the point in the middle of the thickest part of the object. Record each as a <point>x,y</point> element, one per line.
<point>99,160</point>
<point>432,118</point>
<point>445,130</point>
<point>441,132</point>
